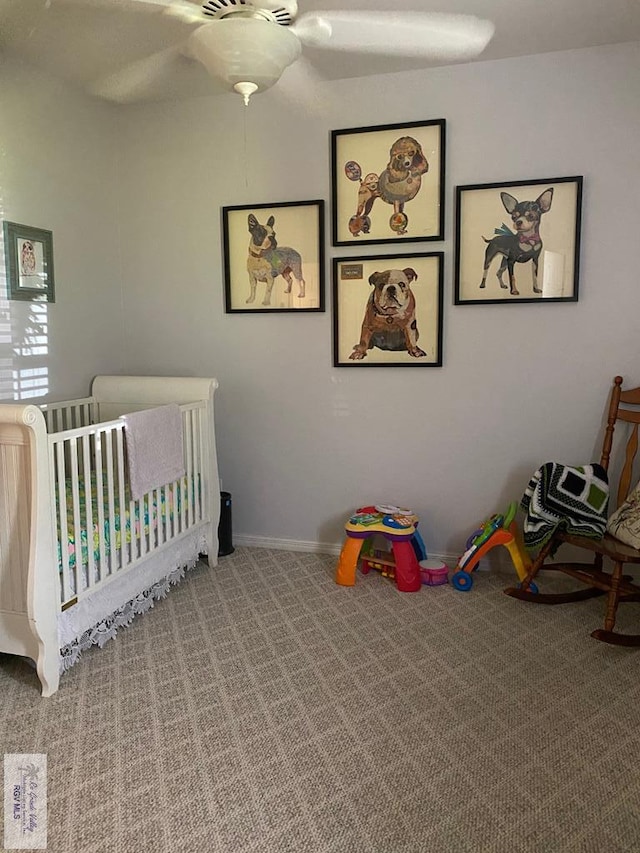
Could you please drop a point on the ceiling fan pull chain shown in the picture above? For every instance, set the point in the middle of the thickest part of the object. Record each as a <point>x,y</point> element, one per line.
<point>244,148</point>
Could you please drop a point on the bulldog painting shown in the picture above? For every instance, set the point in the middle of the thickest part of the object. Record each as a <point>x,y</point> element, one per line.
<point>390,316</point>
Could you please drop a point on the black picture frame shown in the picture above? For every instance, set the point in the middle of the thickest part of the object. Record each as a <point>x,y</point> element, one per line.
<point>265,278</point>
<point>360,314</point>
<point>382,192</point>
<point>28,262</point>
<point>545,237</point>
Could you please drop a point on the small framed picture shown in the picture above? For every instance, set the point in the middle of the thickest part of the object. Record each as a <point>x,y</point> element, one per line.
<point>518,241</point>
<point>273,257</point>
<point>29,262</point>
<point>388,183</point>
<point>387,311</point>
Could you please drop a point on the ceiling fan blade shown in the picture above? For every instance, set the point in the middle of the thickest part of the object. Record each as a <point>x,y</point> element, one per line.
<point>135,80</point>
<point>302,86</point>
<point>183,11</point>
<point>120,5</point>
<point>410,34</point>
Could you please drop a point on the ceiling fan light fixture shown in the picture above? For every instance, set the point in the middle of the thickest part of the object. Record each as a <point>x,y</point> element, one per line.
<point>244,51</point>
<point>245,89</point>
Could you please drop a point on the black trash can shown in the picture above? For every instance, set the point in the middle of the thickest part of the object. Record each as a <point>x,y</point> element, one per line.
<point>225,534</point>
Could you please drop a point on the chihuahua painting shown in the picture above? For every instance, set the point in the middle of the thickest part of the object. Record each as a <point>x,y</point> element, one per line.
<point>519,246</point>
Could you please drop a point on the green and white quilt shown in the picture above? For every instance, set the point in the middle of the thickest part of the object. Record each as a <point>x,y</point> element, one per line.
<point>561,497</point>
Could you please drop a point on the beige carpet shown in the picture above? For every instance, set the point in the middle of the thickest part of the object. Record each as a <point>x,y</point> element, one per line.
<point>260,707</point>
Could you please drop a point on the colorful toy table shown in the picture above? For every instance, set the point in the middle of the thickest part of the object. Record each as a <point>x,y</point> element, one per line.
<point>398,527</point>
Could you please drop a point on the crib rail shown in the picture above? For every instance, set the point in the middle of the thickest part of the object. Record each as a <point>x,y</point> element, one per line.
<point>101,530</point>
<point>69,414</point>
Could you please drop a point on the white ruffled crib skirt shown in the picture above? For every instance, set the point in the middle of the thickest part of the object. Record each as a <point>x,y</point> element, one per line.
<point>96,618</point>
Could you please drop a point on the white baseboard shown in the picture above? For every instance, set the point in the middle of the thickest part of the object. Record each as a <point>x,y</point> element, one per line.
<point>287,544</point>
<point>332,548</point>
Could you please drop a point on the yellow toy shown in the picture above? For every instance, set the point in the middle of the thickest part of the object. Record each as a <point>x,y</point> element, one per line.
<point>497,530</point>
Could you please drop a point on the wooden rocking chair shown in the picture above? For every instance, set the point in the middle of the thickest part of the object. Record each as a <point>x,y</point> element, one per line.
<point>623,406</point>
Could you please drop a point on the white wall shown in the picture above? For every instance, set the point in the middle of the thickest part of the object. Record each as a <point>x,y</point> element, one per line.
<point>57,172</point>
<point>301,443</point>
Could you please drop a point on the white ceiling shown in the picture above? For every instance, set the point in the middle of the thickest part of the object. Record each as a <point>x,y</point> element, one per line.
<point>84,41</point>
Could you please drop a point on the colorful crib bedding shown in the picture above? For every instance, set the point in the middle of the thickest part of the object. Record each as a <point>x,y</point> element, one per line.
<point>159,507</point>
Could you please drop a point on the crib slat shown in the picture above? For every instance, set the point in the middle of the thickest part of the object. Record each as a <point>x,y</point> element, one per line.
<point>154,523</point>
<point>67,587</point>
<point>97,452</point>
<point>111,504</point>
<point>188,466</point>
<point>52,481</point>
<point>200,467</point>
<point>145,511</point>
<point>121,499</point>
<point>88,506</point>
<point>136,511</point>
<point>174,516</point>
<point>187,504</point>
<point>196,465</point>
<point>166,511</point>
<point>133,544</point>
<point>160,516</point>
<point>83,582</point>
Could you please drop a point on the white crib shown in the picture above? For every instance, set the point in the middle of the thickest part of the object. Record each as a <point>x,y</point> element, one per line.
<point>78,556</point>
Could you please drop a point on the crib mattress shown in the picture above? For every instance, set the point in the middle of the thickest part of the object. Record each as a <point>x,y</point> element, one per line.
<point>158,507</point>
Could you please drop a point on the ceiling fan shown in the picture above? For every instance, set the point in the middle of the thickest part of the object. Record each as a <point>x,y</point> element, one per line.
<point>248,44</point>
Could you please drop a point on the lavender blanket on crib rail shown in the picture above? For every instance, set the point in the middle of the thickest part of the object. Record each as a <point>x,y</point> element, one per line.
<point>154,448</point>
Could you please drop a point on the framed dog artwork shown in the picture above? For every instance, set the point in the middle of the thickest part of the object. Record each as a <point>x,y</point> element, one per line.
<point>29,263</point>
<point>273,257</point>
<point>518,241</point>
<point>387,311</point>
<point>388,183</point>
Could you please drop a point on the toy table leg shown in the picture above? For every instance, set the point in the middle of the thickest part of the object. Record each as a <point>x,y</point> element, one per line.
<point>521,561</point>
<point>347,562</point>
<point>417,543</point>
<point>407,568</point>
